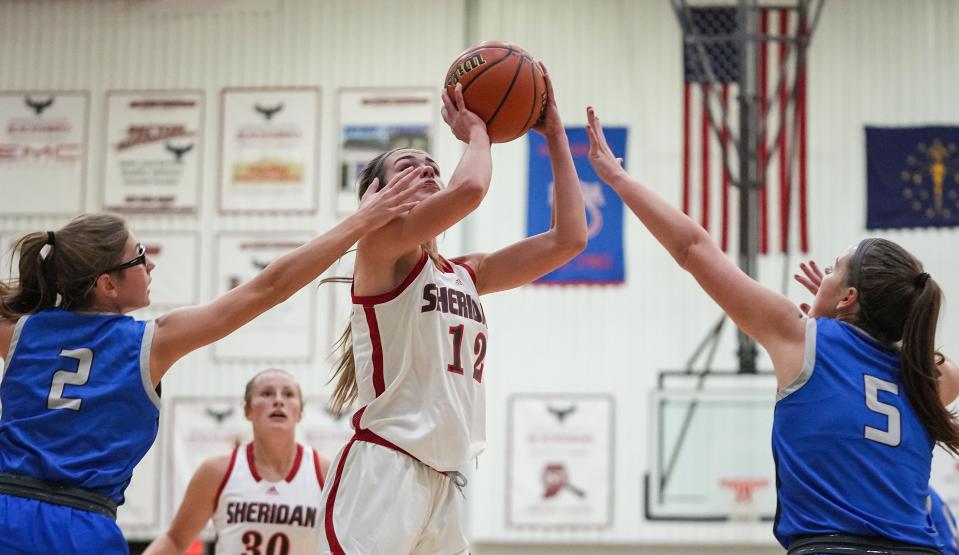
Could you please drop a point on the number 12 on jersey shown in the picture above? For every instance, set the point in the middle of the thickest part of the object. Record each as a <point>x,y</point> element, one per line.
<point>479,351</point>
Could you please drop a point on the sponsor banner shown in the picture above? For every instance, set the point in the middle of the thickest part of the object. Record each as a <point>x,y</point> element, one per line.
<point>269,150</point>
<point>373,121</point>
<point>286,331</point>
<point>153,155</point>
<point>560,461</point>
<point>43,152</point>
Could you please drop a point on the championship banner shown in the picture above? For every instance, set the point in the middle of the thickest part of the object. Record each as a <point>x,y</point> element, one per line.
<point>202,427</point>
<point>373,121</point>
<point>175,279</point>
<point>43,152</point>
<point>269,150</point>
<point>284,333</point>
<point>912,177</point>
<point>154,151</point>
<point>602,262</point>
<point>560,461</point>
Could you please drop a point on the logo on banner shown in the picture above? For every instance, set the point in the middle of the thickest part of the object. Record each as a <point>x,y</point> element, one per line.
<point>561,413</point>
<point>38,107</point>
<point>218,416</point>
<point>268,112</point>
<point>556,479</point>
<point>178,152</point>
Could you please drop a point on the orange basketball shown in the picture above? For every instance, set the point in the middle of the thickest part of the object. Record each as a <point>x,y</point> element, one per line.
<point>501,84</point>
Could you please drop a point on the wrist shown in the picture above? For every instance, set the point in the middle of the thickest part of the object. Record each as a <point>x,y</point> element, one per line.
<point>478,133</point>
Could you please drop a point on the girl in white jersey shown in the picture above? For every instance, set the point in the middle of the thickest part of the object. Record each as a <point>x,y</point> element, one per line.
<point>265,496</point>
<point>416,359</point>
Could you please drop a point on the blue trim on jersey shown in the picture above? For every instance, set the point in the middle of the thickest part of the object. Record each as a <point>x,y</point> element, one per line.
<point>96,432</point>
<point>843,466</point>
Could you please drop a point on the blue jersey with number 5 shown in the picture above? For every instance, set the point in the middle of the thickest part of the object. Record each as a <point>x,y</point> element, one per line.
<point>851,455</point>
<point>78,406</point>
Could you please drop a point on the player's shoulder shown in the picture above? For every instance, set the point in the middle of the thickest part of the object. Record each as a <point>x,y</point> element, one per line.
<point>215,468</point>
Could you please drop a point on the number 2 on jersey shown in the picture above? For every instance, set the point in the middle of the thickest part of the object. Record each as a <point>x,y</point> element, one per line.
<point>893,433</point>
<point>479,351</point>
<point>61,378</point>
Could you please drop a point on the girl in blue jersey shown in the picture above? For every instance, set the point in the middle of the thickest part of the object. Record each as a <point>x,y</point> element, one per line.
<point>858,406</point>
<point>80,392</point>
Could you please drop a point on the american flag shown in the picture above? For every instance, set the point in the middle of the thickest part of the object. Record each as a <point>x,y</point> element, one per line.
<point>710,157</point>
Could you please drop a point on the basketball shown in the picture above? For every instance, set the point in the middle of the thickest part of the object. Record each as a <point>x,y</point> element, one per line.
<point>501,84</point>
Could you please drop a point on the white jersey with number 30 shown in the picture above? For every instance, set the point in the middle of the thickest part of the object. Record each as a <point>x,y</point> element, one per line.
<point>254,515</point>
<point>420,351</point>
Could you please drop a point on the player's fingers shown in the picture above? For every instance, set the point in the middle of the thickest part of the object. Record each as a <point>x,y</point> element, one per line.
<point>458,97</point>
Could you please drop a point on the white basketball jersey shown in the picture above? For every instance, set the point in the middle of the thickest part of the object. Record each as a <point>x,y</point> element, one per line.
<point>274,518</point>
<point>420,351</point>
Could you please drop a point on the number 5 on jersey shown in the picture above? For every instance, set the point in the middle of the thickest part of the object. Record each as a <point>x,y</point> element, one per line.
<point>892,435</point>
<point>479,351</point>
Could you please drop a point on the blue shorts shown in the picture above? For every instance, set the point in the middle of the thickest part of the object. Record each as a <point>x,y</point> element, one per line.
<point>29,527</point>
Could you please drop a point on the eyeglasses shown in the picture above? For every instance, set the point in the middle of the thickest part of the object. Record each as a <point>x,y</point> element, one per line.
<point>140,258</point>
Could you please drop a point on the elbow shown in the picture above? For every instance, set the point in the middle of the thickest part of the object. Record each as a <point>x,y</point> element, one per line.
<point>471,192</point>
<point>689,251</point>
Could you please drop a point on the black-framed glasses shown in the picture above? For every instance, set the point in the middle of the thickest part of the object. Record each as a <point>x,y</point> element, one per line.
<point>140,258</point>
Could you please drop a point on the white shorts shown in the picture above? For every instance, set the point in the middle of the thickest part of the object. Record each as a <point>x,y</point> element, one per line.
<point>379,501</point>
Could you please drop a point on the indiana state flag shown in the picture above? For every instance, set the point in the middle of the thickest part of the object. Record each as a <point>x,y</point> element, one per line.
<point>912,177</point>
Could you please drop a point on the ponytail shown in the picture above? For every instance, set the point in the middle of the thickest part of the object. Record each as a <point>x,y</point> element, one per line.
<point>37,283</point>
<point>920,367</point>
<point>346,390</point>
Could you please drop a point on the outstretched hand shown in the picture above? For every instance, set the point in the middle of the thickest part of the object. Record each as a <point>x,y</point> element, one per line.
<point>607,166</point>
<point>811,280</point>
<point>549,123</point>
<point>461,121</point>
<point>380,206</point>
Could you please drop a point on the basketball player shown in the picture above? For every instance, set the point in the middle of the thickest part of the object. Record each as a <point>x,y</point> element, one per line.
<point>264,497</point>
<point>859,406</point>
<point>416,358</point>
<point>80,393</point>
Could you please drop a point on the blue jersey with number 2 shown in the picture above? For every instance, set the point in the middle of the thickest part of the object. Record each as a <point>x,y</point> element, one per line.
<point>851,455</point>
<point>78,406</point>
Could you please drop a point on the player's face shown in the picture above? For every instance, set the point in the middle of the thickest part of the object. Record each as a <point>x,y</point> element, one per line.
<point>275,402</point>
<point>410,157</point>
<point>833,288</point>
<point>133,285</point>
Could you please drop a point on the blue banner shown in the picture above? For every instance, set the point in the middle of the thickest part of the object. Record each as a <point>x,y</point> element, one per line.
<point>912,177</point>
<point>602,261</point>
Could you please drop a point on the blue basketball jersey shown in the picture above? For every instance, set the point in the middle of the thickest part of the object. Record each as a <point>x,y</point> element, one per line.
<point>851,455</point>
<point>945,523</point>
<point>78,406</point>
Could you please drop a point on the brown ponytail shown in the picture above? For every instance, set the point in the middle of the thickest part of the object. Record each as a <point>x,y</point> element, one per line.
<point>899,303</point>
<point>61,268</point>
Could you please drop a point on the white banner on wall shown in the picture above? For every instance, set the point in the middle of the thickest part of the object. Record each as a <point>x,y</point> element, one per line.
<point>43,151</point>
<point>153,154</point>
<point>287,331</point>
<point>202,427</point>
<point>269,150</point>
<point>175,279</point>
<point>373,121</point>
<point>560,461</point>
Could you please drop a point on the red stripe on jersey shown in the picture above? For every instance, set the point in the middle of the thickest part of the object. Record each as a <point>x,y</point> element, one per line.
<point>296,463</point>
<point>469,269</point>
<point>379,382</point>
<point>316,466</point>
<point>334,543</point>
<point>250,463</point>
<point>357,416</point>
<point>377,299</point>
<point>226,477</point>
